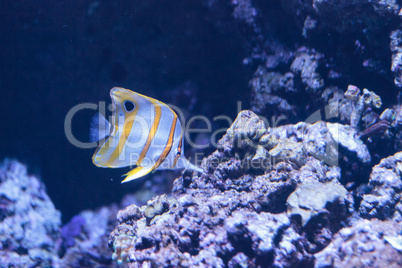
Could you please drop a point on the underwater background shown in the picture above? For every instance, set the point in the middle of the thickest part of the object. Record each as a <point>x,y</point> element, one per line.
<point>326,76</point>
<point>56,55</point>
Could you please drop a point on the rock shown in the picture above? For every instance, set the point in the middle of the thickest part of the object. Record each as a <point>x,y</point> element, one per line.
<point>305,64</point>
<point>347,138</point>
<point>268,89</point>
<point>383,200</point>
<point>362,245</point>
<point>276,93</point>
<point>319,143</point>
<point>206,230</point>
<point>394,241</point>
<point>240,260</point>
<point>311,198</point>
<point>396,49</point>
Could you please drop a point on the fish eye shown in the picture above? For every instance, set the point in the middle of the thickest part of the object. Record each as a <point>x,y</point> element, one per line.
<point>129,106</point>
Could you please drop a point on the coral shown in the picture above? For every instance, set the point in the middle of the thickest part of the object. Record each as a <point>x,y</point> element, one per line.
<point>257,231</point>
<point>361,102</point>
<point>309,24</point>
<point>29,222</point>
<point>72,230</point>
<point>161,204</point>
<point>321,140</point>
<point>84,239</point>
<point>30,226</point>
<point>139,218</point>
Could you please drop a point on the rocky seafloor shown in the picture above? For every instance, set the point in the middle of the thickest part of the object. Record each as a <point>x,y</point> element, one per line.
<point>268,197</point>
<point>320,188</point>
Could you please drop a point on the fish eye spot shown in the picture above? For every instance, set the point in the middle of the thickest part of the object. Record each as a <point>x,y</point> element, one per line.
<point>129,106</point>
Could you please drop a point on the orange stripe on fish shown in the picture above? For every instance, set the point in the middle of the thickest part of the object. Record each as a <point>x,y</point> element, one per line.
<point>155,124</point>
<point>133,113</point>
<point>127,127</point>
<point>168,147</point>
<point>178,154</point>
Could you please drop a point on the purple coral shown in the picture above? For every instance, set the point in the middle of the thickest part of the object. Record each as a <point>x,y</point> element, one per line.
<point>71,230</point>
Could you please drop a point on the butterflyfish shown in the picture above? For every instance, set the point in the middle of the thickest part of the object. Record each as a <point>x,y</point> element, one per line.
<point>143,132</point>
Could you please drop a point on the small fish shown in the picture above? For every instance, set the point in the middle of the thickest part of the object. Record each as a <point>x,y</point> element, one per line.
<point>144,132</point>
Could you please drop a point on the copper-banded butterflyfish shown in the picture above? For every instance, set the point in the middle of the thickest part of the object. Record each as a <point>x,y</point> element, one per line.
<point>143,132</point>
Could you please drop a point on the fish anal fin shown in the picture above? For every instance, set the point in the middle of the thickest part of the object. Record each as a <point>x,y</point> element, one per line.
<point>136,173</point>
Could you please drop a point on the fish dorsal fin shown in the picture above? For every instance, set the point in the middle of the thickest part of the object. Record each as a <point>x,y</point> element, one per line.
<point>100,128</point>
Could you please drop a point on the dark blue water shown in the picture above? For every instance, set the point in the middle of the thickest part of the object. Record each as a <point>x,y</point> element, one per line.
<point>57,54</point>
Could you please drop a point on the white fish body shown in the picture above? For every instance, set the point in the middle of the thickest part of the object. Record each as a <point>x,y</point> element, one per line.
<point>143,132</point>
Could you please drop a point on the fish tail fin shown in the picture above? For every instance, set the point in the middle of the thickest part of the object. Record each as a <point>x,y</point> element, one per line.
<point>100,128</point>
<point>136,173</point>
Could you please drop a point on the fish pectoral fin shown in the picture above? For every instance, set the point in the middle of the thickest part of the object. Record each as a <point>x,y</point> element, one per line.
<point>195,168</point>
<point>136,173</point>
<point>100,128</point>
<point>187,165</point>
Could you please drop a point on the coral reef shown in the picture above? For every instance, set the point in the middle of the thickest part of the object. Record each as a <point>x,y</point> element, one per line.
<point>29,222</point>
<point>319,187</point>
<point>31,234</point>
<point>269,197</point>
<point>250,206</point>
